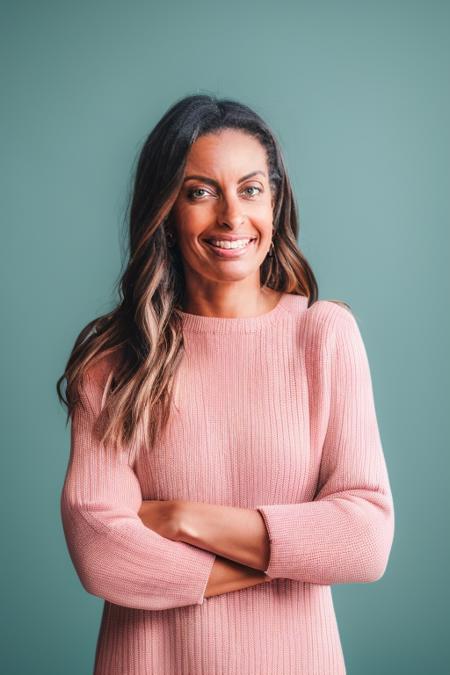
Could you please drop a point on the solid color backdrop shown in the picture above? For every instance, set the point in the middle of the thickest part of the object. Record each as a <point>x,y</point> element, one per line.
<point>357,93</point>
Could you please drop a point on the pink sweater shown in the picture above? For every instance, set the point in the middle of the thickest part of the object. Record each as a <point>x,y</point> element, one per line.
<point>274,412</point>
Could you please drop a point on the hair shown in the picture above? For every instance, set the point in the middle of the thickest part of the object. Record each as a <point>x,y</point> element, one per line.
<point>140,342</point>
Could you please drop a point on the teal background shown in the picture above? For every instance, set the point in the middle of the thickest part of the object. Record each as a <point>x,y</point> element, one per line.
<point>357,93</point>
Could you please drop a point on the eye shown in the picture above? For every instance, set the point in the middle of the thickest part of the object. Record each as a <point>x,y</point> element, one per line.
<point>253,187</point>
<point>191,193</point>
<point>194,196</point>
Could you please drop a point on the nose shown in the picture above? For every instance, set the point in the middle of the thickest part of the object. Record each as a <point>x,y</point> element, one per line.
<point>230,212</point>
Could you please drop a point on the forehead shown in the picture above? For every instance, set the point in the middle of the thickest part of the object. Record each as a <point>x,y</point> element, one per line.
<point>229,150</point>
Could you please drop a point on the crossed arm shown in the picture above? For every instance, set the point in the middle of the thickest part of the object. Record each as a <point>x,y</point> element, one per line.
<point>343,536</point>
<point>237,536</point>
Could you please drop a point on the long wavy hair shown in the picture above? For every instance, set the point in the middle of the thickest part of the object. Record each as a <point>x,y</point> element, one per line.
<point>141,339</point>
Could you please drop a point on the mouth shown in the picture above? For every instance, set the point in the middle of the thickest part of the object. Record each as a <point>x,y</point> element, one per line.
<point>236,252</point>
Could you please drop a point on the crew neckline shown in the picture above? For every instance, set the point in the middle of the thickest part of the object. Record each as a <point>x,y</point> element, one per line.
<point>197,323</point>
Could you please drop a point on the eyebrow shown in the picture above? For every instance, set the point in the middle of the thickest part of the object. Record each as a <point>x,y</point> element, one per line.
<point>211,181</point>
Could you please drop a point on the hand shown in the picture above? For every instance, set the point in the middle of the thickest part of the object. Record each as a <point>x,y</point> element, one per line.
<point>161,516</point>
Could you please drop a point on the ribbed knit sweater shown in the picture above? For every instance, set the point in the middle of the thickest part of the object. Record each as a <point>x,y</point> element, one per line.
<point>276,413</point>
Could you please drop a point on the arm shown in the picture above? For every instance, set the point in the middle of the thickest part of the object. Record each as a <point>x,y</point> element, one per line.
<point>170,518</point>
<point>115,555</point>
<point>227,576</point>
<point>235,533</point>
<point>345,534</point>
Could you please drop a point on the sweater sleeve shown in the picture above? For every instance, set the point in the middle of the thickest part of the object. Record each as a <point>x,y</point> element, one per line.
<point>115,555</point>
<point>345,534</point>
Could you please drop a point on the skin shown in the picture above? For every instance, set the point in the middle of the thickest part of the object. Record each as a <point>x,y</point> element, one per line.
<point>222,287</point>
<point>237,536</point>
<point>217,286</point>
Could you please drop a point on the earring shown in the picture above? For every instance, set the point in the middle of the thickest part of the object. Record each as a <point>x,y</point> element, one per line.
<point>170,239</point>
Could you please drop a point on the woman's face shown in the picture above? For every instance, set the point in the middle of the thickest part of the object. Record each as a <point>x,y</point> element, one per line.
<point>222,201</point>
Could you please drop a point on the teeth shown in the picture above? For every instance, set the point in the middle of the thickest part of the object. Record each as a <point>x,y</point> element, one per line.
<point>239,243</point>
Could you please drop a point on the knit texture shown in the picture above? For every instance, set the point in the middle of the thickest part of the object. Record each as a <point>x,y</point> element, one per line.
<point>275,413</point>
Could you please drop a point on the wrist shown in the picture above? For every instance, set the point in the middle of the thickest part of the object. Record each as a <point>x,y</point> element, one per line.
<point>182,523</point>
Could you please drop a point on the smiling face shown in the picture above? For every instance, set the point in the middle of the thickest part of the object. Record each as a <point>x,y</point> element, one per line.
<point>229,197</point>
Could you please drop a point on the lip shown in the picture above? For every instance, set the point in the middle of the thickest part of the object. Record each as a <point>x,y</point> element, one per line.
<point>231,237</point>
<point>230,252</point>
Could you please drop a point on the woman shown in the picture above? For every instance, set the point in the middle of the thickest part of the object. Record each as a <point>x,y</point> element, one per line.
<point>226,466</point>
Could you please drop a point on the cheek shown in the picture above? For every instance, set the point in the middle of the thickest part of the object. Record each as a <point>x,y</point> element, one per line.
<point>187,228</point>
<point>192,221</point>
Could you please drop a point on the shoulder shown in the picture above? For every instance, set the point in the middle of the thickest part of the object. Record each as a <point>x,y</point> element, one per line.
<point>99,374</point>
<point>336,337</point>
<point>328,329</point>
<point>324,319</point>
<point>326,310</point>
<point>331,342</point>
<point>92,384</point>
<point>99,371</point>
